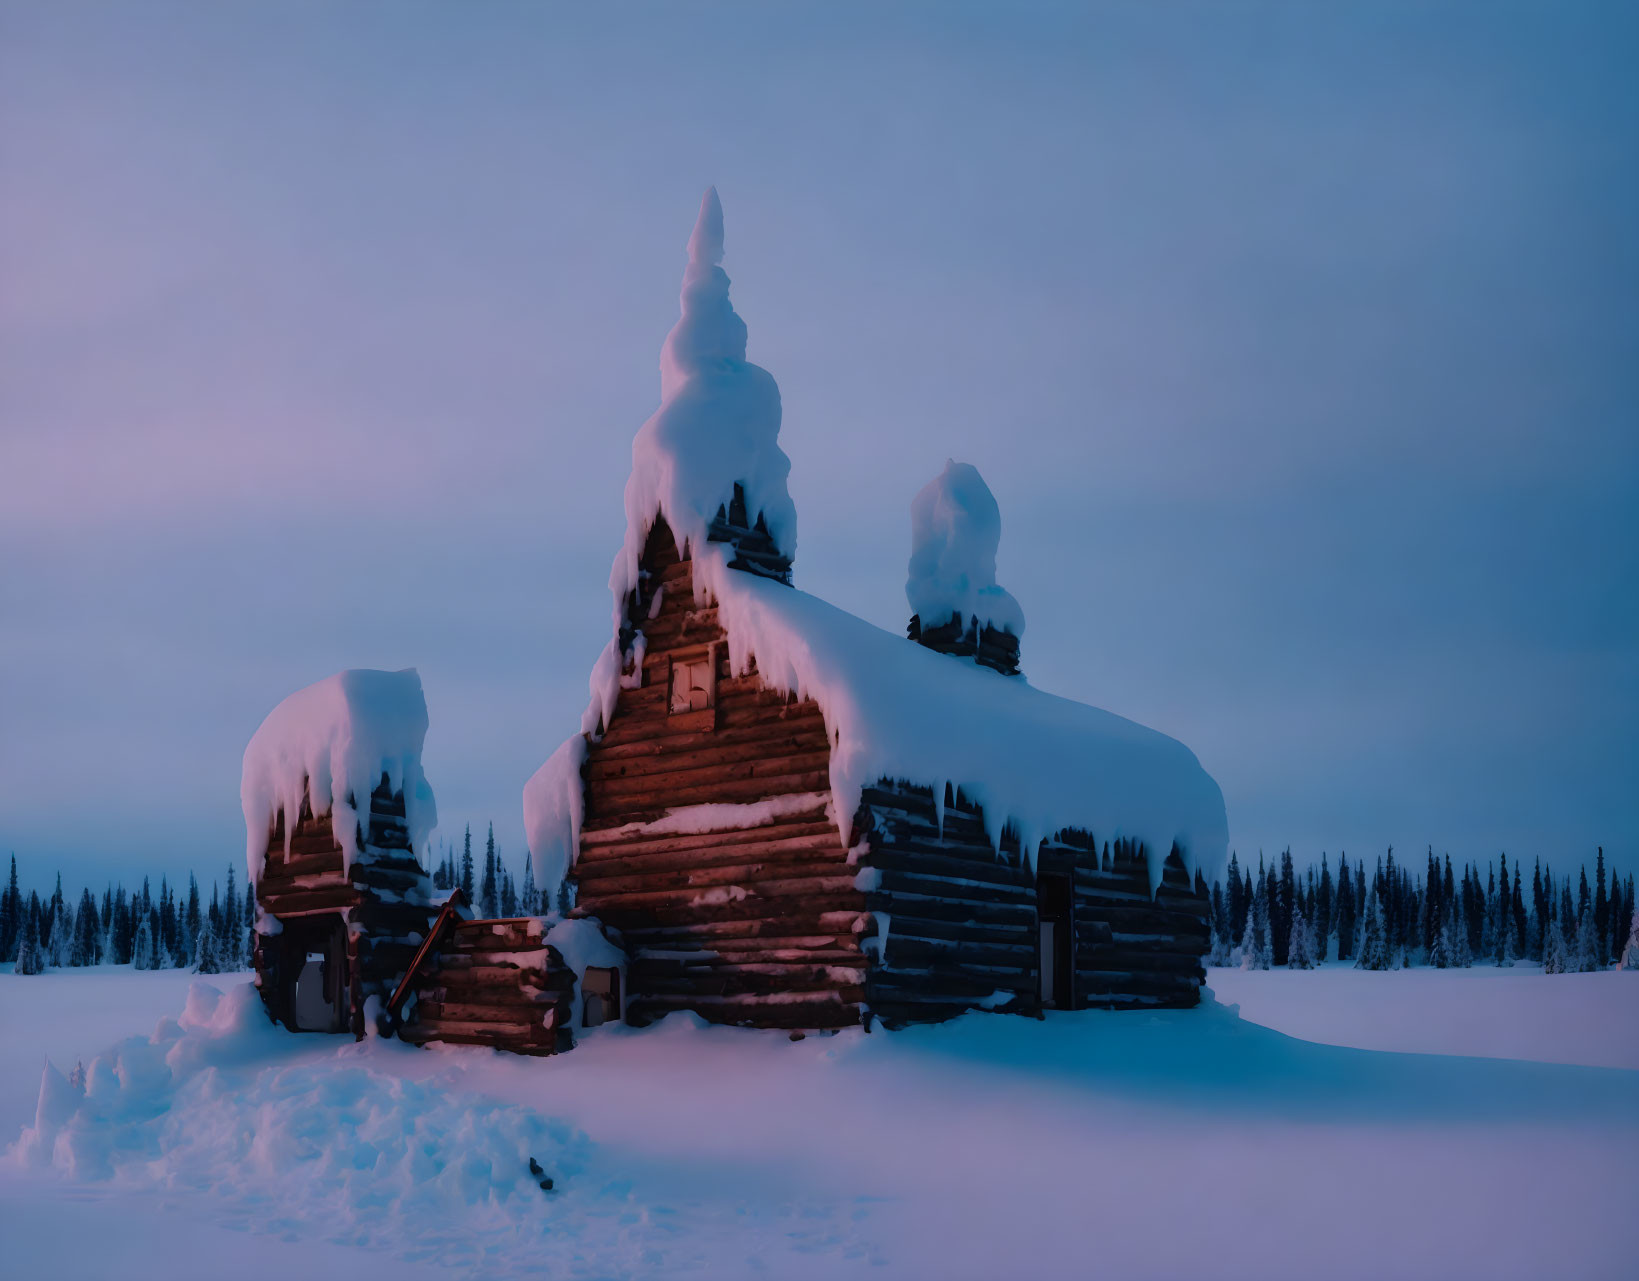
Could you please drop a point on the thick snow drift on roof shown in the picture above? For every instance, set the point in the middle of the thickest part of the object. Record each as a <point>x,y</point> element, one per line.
<point>718,422</point>
<point>955,530</point>
<point>554,803</point>
<point>342,734</point>
<point>896,710</point>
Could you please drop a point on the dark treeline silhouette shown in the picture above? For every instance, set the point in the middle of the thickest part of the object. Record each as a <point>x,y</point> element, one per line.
<point>1391,917</point>
<point>492,892</point>
<point>170,929</point>
<point>1385,919</point>
<point>174,928</point>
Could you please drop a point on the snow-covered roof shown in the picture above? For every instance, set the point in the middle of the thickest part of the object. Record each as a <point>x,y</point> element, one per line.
<point>955,530</point>
<point>334,739</point>
<point>1034,761</point>
<point>894,710</point>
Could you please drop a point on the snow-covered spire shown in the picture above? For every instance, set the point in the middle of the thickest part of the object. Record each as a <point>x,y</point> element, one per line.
<point>956,606</point>
<point>709,330</point>
<point>709,460</point>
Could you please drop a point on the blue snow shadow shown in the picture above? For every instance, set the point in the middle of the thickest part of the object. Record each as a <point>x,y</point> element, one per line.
<point>1211,1059</point>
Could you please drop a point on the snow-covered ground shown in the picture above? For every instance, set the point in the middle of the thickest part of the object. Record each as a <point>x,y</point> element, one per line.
<point>1182,1143</point>
<point>1513,1013</point>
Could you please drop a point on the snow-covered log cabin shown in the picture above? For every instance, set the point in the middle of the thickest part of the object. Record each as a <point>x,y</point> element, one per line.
<point>342,899</point>
<point>347,933</point>
<point>797,819</point>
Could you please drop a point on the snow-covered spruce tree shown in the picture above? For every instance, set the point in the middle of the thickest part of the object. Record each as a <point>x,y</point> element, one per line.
<point>144,955</point>
<point>1325,902</point>
<point>205,957</point>
<point>11,922</point>
<point>247,927</point>
<point>30,960</point>
<point>1585,955</point>
<point>467,886</point>
<point>1263,918</point>
<point>231,944</point>
<point>489,892</point>
<point>1345,912</point>
<point>1507,941</point>
<point>1374,947</point>
<point>1556,956</point>
<point>1601,907</point>
<point>1222,948</point>
<point>1439,948</point>
<point>87,932</point>
<point>62,938</point>
<point>1300,949</point>
<point>1457,951</point>
<point>1488,925</point>
<point>1459,942</point>
<point>1255,941</point>
<point>1236,901</point>
<point>1630,952</point>
<point>531,897</point>
<point>191,918</point>
<point>1283,907</point>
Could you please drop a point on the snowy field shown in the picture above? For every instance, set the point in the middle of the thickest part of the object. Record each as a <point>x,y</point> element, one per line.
<point>1513,1013</point>
<point>1185,1143</point>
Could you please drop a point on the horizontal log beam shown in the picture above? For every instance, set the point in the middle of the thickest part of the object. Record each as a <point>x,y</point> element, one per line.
<point>799,867</point>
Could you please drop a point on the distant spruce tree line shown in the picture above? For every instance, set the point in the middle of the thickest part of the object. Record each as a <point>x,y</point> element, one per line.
<point>1272,917</point>
<point>170,930</point>
<point>173,930</point>
<point>492,891</point>
<point>1390,919</point>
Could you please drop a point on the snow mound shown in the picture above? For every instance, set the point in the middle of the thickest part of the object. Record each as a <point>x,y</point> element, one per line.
<point>337,737</point>
<point>718,424</point>
<point>894,710</point>
<point>369,1157</point>
<point>956,528</point>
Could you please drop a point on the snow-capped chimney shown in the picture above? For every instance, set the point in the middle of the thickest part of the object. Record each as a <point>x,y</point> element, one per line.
<point>956,606</point>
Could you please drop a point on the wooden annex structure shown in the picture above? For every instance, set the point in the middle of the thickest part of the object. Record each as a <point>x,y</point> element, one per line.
<point>332,936</point>
<point>329,940</point>
<point>777,923</point>
<point>492,982</point>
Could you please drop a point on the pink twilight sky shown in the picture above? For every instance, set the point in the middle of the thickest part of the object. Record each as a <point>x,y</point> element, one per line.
<point>1298,344</point>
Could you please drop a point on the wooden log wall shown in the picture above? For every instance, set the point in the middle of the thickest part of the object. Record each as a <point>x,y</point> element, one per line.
<point>495,983</point>
<point>962,920</point>
<point>383,896</point>
<point>1132,950</point>
<point>755,926</point>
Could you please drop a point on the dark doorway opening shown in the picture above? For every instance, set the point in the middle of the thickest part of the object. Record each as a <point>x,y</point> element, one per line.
<point>314,984</point>
<point>1055,960</point>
